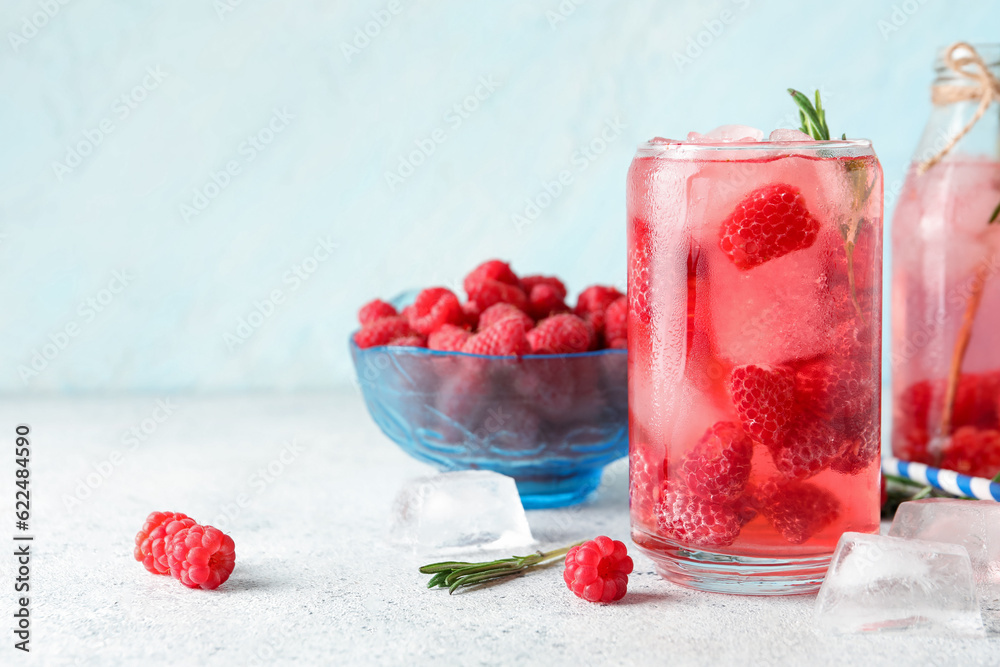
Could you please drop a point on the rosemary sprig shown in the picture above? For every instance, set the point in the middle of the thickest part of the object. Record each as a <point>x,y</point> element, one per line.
<point>458,574</point>
<point>814,124</point>
<point>996,214</point>
<point>813,117</point>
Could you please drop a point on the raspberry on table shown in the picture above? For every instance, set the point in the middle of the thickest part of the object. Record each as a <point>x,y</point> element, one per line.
<point>798,510</point>
<point>764,398</point>
<point>698,522</point>
<point>717,468</point>
<point>807,448</point>
<point>382,332</point>
<point>505,338</point>
<point>449,338</point>
<point>561,334</point>
<point>973,451</point>
<point>201,557</point>
<point>492,269</point>
<point>598,570</point>
<point>433,308</point>
<point>502,311</point>
<point>616,322</point>
<point>375,310</point>
<point>770,222</point>
<point>153,541</point>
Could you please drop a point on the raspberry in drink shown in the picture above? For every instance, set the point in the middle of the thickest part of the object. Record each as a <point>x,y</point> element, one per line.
<point>754,356</point>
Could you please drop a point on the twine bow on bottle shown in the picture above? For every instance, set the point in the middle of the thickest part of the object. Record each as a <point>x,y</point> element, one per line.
<point>986,89</point>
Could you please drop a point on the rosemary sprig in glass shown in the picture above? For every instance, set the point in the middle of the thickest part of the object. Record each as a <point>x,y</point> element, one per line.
<point>814,124</point>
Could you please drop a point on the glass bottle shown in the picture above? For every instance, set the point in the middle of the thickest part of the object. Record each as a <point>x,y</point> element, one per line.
<point>946,291</point>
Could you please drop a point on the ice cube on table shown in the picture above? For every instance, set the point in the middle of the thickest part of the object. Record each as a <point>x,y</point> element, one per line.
<point>460,511</point>
<point>783,134</point>
<point>975,524</point>
<point>880,583</point>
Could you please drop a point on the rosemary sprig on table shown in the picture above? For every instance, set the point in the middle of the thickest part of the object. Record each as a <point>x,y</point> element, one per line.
<point>458,574</point>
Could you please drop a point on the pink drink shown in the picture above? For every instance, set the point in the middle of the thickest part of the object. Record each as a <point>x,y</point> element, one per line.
<point>754,358</point>
<point>943,247</point>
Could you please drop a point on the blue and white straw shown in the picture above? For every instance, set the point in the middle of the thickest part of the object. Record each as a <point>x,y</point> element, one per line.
<point>945,480</point>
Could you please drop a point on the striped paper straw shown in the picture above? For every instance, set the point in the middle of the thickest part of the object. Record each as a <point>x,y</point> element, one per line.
<point>945,480</point>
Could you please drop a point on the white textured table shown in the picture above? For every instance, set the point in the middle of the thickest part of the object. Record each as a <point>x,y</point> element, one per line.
<point>304,485</point>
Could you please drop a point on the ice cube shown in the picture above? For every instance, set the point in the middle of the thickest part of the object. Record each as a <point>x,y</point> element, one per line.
<point>880,583</point>
<point>772,314</point>
<point>460,511</point>
<point>782,134</point>
<point>735,133</point>
<point>696,137</point>
<point>975,524</point>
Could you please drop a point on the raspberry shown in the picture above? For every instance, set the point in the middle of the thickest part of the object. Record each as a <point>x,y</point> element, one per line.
<point>485,293</point>
<point>798,510</point>
<point>412,340</point>
<point>910,421</point>
<point>598,570</point>
<point>639,292</point>
<point>975,400</point>
<point>973,451</point>
<point>616,321</point>
<point>493,269</point>
<point>471,312</point>
<point>561,334</point>
<point>770,222</point>
<point>375,310</point>
<point>382,332</point>
<point>505,338</point>
<point>433,308</point>
<point>718,466</point>
<point>501,311</point>
<point>201,557</point>
<point>545,300</point>
<point>449,338</point>
<point>618,344</point>
<point>645,479</point>
<point>596,298</point>
<point>698,522</point>
<point>592,306</point>
<point>862,447</point>
<point>152,542</point>
<point>836,390</point>
<point>807,448</point>
<point>529,283</point>
<point>764,398</point>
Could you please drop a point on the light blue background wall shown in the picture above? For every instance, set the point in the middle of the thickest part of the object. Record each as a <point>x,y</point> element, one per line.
<point>557,79</point>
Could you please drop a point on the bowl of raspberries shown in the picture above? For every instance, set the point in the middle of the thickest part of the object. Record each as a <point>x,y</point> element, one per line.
<point>510,379</point>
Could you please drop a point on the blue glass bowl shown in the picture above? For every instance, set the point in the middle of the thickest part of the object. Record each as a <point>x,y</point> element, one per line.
<point>552,422</point>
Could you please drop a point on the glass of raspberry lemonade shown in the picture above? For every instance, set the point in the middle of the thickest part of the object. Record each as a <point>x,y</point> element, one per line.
<point>755,282</point>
